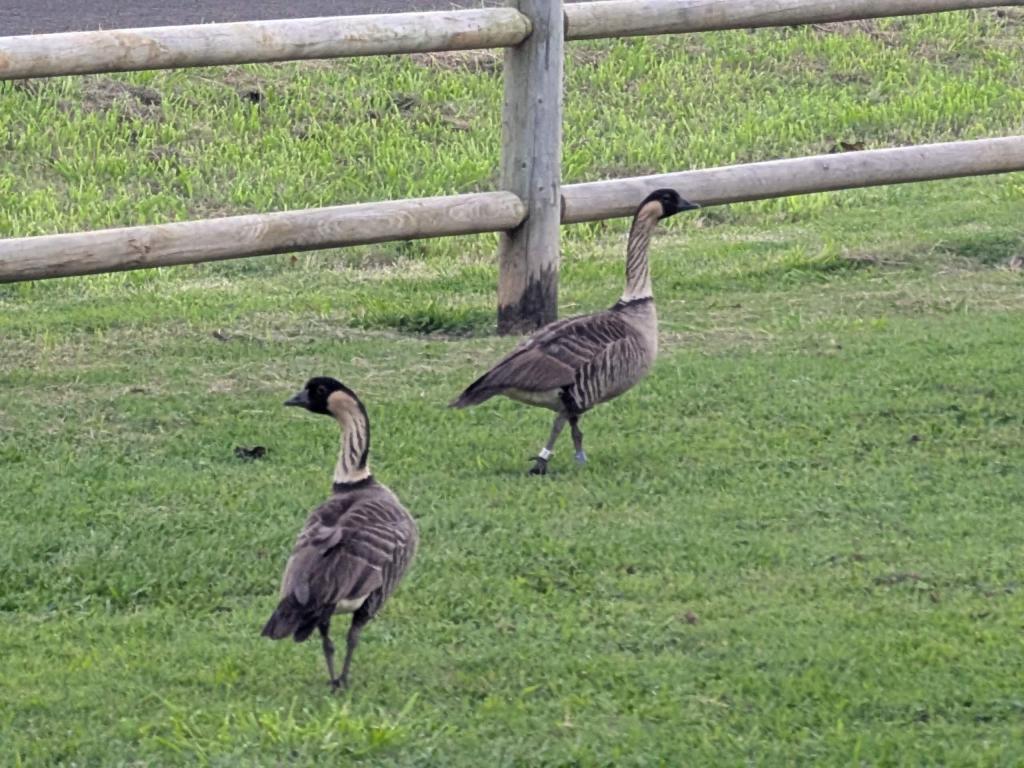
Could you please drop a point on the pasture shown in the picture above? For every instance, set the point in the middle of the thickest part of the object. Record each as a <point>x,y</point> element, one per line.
<point>797,542</point>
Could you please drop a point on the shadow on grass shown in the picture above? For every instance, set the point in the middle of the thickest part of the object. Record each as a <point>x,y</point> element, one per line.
<point>985,248</point>
<point>433,316</point>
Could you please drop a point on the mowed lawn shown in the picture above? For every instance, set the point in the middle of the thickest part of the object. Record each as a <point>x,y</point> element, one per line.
<point>799,541</point>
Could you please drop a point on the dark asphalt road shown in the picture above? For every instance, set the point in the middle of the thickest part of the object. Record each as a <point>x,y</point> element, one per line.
<point>26,17</point>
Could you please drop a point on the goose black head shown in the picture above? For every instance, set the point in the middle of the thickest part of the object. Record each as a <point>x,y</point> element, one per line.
<point>671,202</point>
<point>313,397</point>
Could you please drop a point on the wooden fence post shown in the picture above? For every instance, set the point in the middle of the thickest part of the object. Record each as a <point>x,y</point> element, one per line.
<point>531,160</point>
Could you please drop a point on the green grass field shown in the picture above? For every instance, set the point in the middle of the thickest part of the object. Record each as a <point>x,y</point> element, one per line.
<point>797,542</point>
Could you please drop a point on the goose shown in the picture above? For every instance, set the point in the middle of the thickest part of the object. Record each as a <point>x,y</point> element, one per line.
<point>571,365</point>
<point>354,548</point>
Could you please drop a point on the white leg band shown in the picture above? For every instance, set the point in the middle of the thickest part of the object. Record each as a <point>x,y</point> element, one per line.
<point>545,454</point>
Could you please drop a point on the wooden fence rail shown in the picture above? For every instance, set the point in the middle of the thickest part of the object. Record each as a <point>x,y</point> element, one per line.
<point>250,42</point>
<point>187,242</point>
<point>595,200</point>
<point>534,203</point>
<point>625,18</point>
<point>233,237</point>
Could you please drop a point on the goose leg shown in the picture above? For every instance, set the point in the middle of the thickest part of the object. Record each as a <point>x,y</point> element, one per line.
<point>328,650</point>
<point>577,439</point>
<point>359,621</point>
<point>540,464</point>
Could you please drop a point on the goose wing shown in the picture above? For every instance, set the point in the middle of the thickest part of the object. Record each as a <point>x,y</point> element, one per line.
<point>344,554</point>
<point>550,358</point>
<point>613,370</point>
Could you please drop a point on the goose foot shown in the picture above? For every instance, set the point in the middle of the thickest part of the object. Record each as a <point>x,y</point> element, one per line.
<point>540,466</point>
<point>581,457</point>
<point>338,684</point>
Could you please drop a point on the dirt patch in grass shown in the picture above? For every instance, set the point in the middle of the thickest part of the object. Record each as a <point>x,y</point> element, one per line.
<point>102,94</point>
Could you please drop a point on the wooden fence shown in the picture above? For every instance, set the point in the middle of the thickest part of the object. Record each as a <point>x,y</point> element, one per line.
<point>533,203</point>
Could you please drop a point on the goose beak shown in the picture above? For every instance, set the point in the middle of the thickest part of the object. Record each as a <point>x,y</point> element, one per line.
<point>300,399</point>
<point>686,205</point>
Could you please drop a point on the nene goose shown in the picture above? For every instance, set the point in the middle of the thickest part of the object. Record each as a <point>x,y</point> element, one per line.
<point>354,548</point>
<point>571,365</point>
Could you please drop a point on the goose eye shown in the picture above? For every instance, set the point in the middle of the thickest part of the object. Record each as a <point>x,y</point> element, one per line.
<point>321,390</point>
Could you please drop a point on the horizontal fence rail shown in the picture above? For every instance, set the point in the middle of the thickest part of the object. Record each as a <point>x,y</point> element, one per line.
<point>626,18</point>
<point>596,200</point>
<point>242,42</point>
<point>233,237</point>
<point>33,258</point>
<point>245,42</point>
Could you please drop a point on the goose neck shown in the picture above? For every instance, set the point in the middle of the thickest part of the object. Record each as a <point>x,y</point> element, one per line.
<point>353,455</point>
<point>638,271</point>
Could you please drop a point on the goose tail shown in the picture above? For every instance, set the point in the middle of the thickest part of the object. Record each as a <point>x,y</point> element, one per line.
<point>474,394</point>
<point>289,618</point>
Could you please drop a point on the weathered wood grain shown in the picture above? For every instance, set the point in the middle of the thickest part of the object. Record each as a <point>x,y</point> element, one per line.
<point>596,200</point>
<point>624,18</point>
<point>160,245</point>
<point>531,161</point>
<point>198,45</point>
